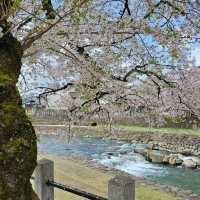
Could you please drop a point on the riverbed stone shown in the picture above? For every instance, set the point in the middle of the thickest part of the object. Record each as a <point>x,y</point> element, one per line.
<point>123,152</point>
<point>166,159</point>
<point>110,153</point>
<point>196,152</point>
<point>141,151</point>
<point>189,163</point>
<point>150,146</point>
<point>198,164</point>
<point>186,152</point>
<point>174,159</point>
<point>155,156</point>
<point>194,197</point>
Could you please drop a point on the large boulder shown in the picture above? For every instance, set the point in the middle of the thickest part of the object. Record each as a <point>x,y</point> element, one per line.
<point>151,146</point>
<point>155,156</point>
<point>186,152</point>
<point>141,151</point>
<point>189,163</point>
<point>174,159</point>
<point>166,159</point>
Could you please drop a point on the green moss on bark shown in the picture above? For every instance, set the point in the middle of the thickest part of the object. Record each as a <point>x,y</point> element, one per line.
<point>4,78</point>
<point>18,148</point>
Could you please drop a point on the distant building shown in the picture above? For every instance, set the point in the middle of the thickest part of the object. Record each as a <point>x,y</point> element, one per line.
<point>32,106</point>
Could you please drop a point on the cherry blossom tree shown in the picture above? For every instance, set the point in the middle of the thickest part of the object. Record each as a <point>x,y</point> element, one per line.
<point>108,44</point>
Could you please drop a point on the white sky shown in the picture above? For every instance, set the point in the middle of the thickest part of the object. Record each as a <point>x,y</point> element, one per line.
<point>196,54</point>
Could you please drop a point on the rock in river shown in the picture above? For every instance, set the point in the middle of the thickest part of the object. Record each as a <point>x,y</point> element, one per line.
<point>141,151</point>
<point>155,156</point>
<point>174,159</point>
<point>189,163</point>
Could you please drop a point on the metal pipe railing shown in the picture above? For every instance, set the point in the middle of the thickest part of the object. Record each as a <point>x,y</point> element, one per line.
<point>75,191</point>
<point>119,187</point>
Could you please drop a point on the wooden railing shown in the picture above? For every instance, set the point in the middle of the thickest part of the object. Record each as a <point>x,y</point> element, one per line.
<point>119,188</point>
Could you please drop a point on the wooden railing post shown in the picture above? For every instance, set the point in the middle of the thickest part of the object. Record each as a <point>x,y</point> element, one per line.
<point>44,172</point>
<point>121,188</point>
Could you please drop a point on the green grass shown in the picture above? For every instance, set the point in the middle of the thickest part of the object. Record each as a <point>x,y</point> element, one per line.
<point>80,174</point>
<point>141,129</point>
<point>147,193</point>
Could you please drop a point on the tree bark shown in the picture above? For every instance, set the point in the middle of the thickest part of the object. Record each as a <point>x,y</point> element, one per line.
<point>18,143</point>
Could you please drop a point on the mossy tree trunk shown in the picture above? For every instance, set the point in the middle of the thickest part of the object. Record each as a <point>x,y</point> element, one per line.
<point>18,150</point>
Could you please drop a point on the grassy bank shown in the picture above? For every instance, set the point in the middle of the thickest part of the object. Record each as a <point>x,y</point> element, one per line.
<point>122,130</point>
<point>80,174</point>
<point>159,130</point>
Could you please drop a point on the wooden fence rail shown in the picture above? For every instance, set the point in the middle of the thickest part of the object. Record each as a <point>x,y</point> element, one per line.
<point>119,188</point>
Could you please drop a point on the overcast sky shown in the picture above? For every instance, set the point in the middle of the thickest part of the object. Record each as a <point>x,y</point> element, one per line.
<point>196,55</point>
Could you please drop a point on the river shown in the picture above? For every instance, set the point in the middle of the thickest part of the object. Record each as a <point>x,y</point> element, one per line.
<point>120,155</point>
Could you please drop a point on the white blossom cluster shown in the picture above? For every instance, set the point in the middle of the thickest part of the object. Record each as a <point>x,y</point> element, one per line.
<point>114,53</point>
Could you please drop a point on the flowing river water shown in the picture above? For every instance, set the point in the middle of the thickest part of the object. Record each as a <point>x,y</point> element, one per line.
<point>120,155</point>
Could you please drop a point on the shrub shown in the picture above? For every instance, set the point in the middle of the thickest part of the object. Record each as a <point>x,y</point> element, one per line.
<point>93,124</point>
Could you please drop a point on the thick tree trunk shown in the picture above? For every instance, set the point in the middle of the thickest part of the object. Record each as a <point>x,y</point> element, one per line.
<point>18,150</point>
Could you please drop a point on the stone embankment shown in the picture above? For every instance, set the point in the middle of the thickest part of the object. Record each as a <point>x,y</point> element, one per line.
<point>181,144</point>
